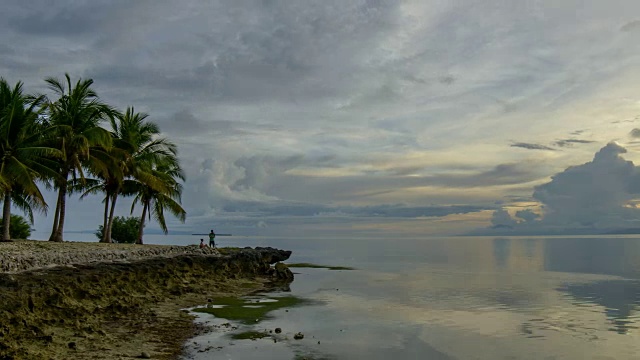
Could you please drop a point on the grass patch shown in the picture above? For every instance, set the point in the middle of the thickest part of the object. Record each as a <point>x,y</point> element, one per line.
<point>316,266</point>
<point>249,335</point>
<point>236,308</point>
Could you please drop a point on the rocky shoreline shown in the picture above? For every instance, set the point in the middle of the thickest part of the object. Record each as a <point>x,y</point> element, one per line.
<point>108,301</point>
<point>25,255</point>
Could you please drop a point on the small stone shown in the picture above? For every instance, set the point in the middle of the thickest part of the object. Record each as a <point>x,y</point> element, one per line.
<point>278,330</point>
<point>298,336</point>
<point>144,355</point>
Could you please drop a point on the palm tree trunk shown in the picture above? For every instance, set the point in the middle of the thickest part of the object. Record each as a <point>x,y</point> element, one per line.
<point>6,217</point>
<point>57,236</point>
<point>105,217</point>
<point>56,219</point>
<point>141,230</point>
<point>110,225</point>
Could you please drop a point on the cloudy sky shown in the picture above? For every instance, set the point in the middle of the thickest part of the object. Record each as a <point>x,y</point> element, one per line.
<point>367,116</point>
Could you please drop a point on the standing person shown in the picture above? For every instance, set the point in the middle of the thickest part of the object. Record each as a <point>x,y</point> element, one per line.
<point>212,239</point>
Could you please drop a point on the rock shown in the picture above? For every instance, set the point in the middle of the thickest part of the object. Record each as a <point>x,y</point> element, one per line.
<point>278,330</point>
<point>298,336</point>
<point>281,272</point>
<point>144,355</point>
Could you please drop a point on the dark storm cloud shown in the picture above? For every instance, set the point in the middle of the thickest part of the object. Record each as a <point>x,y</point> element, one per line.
<point>571,142</point>
<point>531,146</point>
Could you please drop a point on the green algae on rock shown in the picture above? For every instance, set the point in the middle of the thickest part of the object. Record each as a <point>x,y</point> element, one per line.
<point>248,311</point>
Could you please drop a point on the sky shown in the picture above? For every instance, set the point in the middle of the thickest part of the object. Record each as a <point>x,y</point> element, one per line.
<point>367,117</point>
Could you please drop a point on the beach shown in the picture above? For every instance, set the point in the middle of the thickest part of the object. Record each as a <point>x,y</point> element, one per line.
<point>112,301</point>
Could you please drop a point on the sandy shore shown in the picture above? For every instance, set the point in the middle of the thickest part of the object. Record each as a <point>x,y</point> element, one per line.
<point>109,301</point>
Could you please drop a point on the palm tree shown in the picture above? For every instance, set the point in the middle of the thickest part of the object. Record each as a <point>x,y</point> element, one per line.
<point>108,182</point>
<point>154,199</point>
<point>24,158</point>
<point>77,115</point>
<point>143,146</point>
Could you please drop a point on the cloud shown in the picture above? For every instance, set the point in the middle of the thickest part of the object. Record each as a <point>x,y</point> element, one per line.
<point>344,103</point>
<point>501,219</point>
<point>635,133</point>
<point>530,146</point>
<point>527,215</point>
<point>631,26</point>
<point>571,142</point>
<point>595,194</point>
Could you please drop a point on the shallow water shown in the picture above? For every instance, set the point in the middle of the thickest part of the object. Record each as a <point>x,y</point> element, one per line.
<point>454,298</point>
<point>448,298</point>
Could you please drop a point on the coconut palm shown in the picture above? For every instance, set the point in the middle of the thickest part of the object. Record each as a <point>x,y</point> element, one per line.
<point>24,158</point>
<point>155,199</point>
<point>77,115</point>
<point>144,146</point>
<point>108,181</point>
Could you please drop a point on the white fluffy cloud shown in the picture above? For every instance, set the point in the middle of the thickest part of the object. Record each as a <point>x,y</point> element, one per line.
<point>595,194</point>
<point>598,195</point>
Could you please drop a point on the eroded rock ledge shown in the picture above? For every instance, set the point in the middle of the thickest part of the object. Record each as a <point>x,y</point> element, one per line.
<point>71,311</point>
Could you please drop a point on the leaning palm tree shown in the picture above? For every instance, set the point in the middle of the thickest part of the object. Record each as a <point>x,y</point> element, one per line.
<point>24,158</point>
<point>154,199</point>
<point>139,143</point>
<point>77,115</point>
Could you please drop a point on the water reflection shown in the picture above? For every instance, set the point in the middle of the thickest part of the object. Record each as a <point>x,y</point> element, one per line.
<point>501,253</point>
<point>470,298</point>
<point>611,256</point>
<point>620,299</point>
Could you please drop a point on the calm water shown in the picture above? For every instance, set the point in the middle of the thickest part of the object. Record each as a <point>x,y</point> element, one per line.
<point>450,298</point>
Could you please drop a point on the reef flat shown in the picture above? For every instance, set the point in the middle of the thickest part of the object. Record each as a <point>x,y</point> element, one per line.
<point>109,301</point>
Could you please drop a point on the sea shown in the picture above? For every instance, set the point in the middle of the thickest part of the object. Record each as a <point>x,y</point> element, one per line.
<point>443,298</point>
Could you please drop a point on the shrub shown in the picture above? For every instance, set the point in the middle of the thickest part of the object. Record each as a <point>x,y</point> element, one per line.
<point>124,229</point>
<point>19,228</point>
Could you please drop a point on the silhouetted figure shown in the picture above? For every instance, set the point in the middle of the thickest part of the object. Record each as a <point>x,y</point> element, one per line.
<point>202,244</point>
<point>212,239</point>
